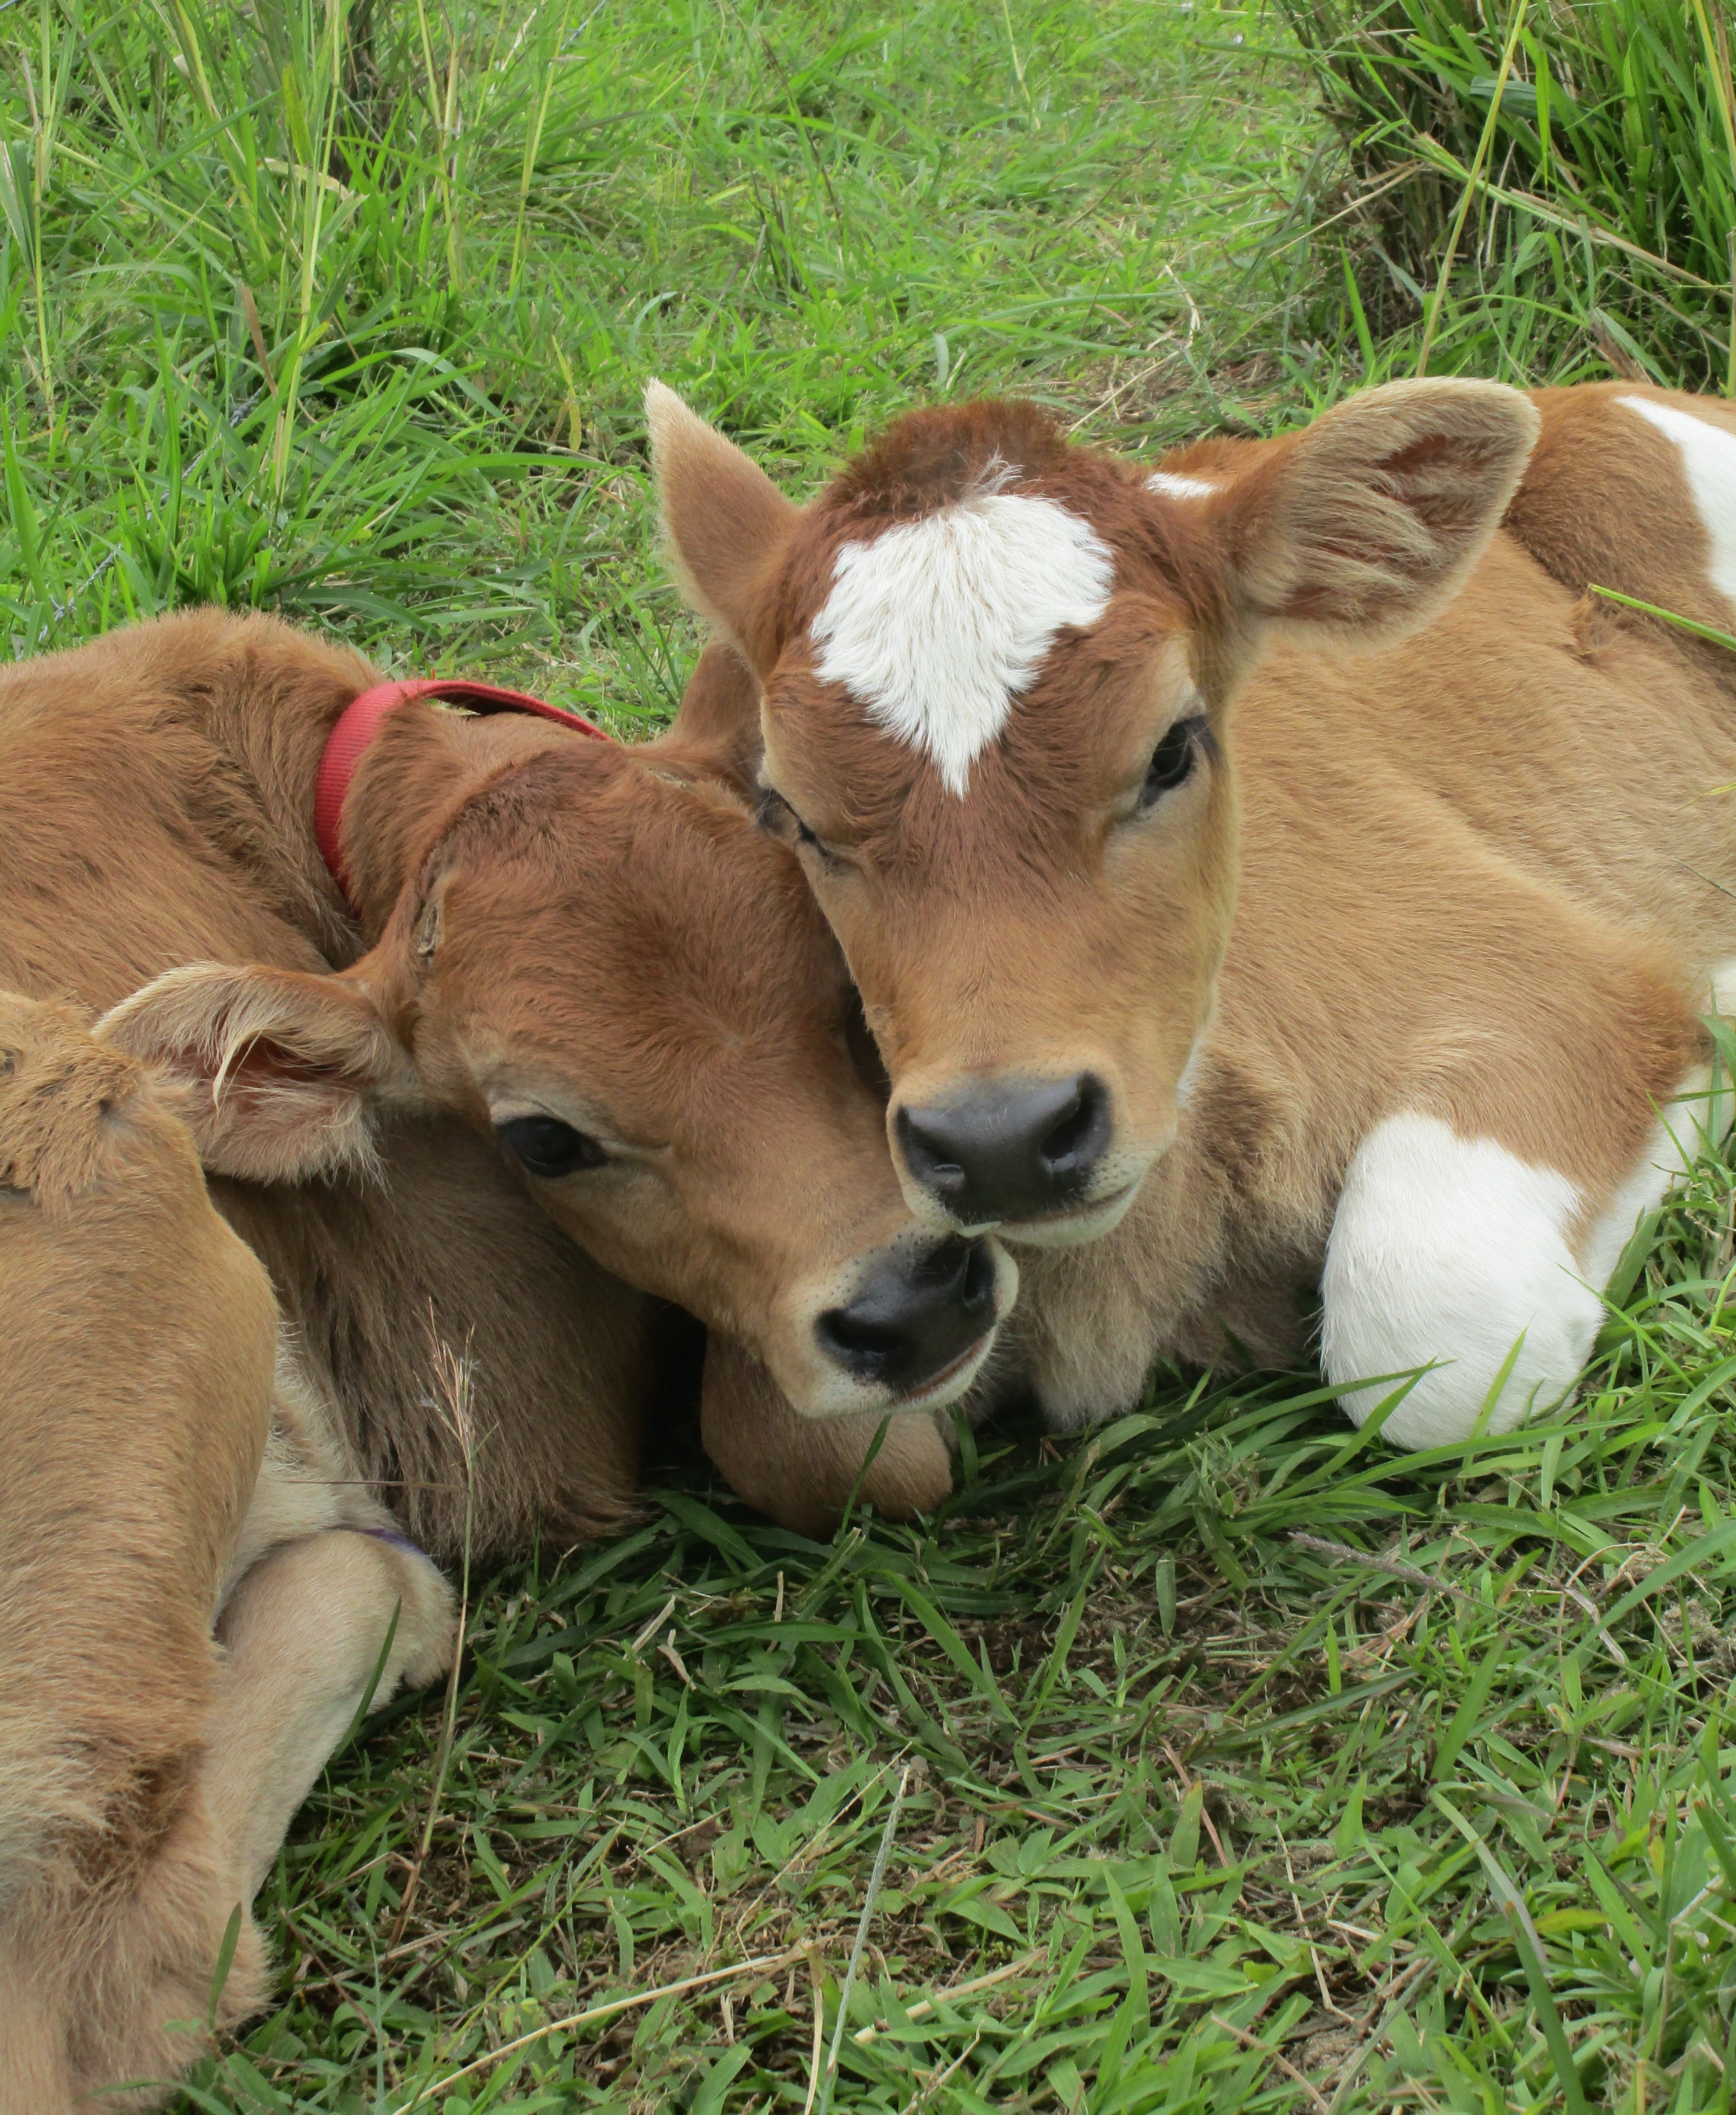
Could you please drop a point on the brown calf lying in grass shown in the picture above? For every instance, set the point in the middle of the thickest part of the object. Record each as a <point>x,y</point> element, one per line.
<point>586,952</point>
<point>591,955</point>
<point>165,1461</point>
<point>1269,869</point>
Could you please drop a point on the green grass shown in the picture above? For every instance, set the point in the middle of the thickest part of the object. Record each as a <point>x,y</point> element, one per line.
<point>1230,1735</point>
<point>1595,148</point>
<point>463,273</point>
<point>1245,1765</point>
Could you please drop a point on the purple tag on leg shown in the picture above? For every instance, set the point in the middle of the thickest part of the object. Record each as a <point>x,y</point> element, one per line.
<point>397,1541</point>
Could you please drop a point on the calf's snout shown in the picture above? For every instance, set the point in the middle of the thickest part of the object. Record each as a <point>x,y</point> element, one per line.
<point>913,1318</point>
<point>1011,1149</point>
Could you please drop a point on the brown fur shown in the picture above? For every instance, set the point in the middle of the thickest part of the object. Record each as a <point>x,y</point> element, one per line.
<point>805,1471</point>
<point>159,1447</point>
<point>564,927</point>
<point>608,920</point>
<point>140,1344</point>
<point>614,919</point>
<point>1602,503</point>
<point>1472,873</point>
<point>156,803</point>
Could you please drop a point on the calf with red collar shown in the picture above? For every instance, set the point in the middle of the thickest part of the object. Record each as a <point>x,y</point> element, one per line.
<point>562,985</point>
<point>557,974</point>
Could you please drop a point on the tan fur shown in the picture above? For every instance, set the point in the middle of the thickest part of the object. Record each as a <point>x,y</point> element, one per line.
<point>156,804</point>
<point>156,809</point>
<point>805,1471</point>
<point>725,560</point>
<point>612,920</point>
<point>1474,872</point>
<point>600,935</point>
<point>1603,503</point>
<point>157,1440</point>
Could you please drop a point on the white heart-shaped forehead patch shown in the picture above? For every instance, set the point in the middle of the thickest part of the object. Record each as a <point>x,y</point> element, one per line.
<point>937,624</point>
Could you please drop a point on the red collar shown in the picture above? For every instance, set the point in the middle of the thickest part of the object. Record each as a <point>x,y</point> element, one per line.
<point>361,721</point>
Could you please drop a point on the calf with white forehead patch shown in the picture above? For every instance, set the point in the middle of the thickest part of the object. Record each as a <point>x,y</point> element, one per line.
<point>1264,866</point>
<point>977,693</point>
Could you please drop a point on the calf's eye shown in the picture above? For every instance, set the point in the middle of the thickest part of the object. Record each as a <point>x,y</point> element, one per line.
<point>1172,760</point>
<point>545,1146</point>
<point>775,813</point>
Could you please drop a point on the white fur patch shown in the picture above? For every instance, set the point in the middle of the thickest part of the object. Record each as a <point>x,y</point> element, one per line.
<point>937,624</point>
<point>1669,1154</point>
<point>1709,463</point>
<point>1450,1250</point>
<point>1173,485</point>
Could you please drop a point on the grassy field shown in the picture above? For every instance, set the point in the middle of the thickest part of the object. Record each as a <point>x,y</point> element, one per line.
<point>1223,1760</point>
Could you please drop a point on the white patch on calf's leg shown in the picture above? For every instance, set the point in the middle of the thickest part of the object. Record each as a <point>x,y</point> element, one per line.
<point>1709,463</point>
<point>937,624</point>
<point>1451,1249</point>
<point>1173,485</point>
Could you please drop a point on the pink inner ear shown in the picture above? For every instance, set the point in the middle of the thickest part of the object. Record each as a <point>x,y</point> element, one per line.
<point>1440,480</point>
<point>262,1063</point>
<point>270,1090</point>
<point>279,1114</point>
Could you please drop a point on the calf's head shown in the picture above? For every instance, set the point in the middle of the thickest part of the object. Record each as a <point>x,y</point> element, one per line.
<point>594,955</point>
<point>992,714</point>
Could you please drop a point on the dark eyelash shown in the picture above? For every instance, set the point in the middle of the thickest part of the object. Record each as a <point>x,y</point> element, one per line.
<point>771,802</point>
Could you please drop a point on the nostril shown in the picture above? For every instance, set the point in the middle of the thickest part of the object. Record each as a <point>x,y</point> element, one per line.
<point>942,1270</point>
<point>914,1315</point>
<point>930,1157</point>
<point>1075,1142</point>
<point>1009,1149</point>
<point>978,1289</point>
<point>855,1341</point>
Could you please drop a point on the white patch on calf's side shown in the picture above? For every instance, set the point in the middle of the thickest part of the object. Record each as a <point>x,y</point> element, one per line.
<point>1450,1250</point>
<point>937,624</point>
<point>1709,463</point>
<point>1173,485</point>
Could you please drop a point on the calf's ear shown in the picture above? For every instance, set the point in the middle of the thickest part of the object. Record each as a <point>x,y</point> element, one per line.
<point>281,1070</point>
<point>717,732</point>
<point>725,523</point>
<point>1365,524</point>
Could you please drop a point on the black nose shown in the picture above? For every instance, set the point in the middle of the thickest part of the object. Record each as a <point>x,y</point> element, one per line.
<point>1012,1149</point>
<point>912,1319</point>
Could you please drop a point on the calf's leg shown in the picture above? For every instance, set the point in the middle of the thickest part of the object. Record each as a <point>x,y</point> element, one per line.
<point>303,1634</point>
<point>801,1470</point>
<point>1451,1254</point>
